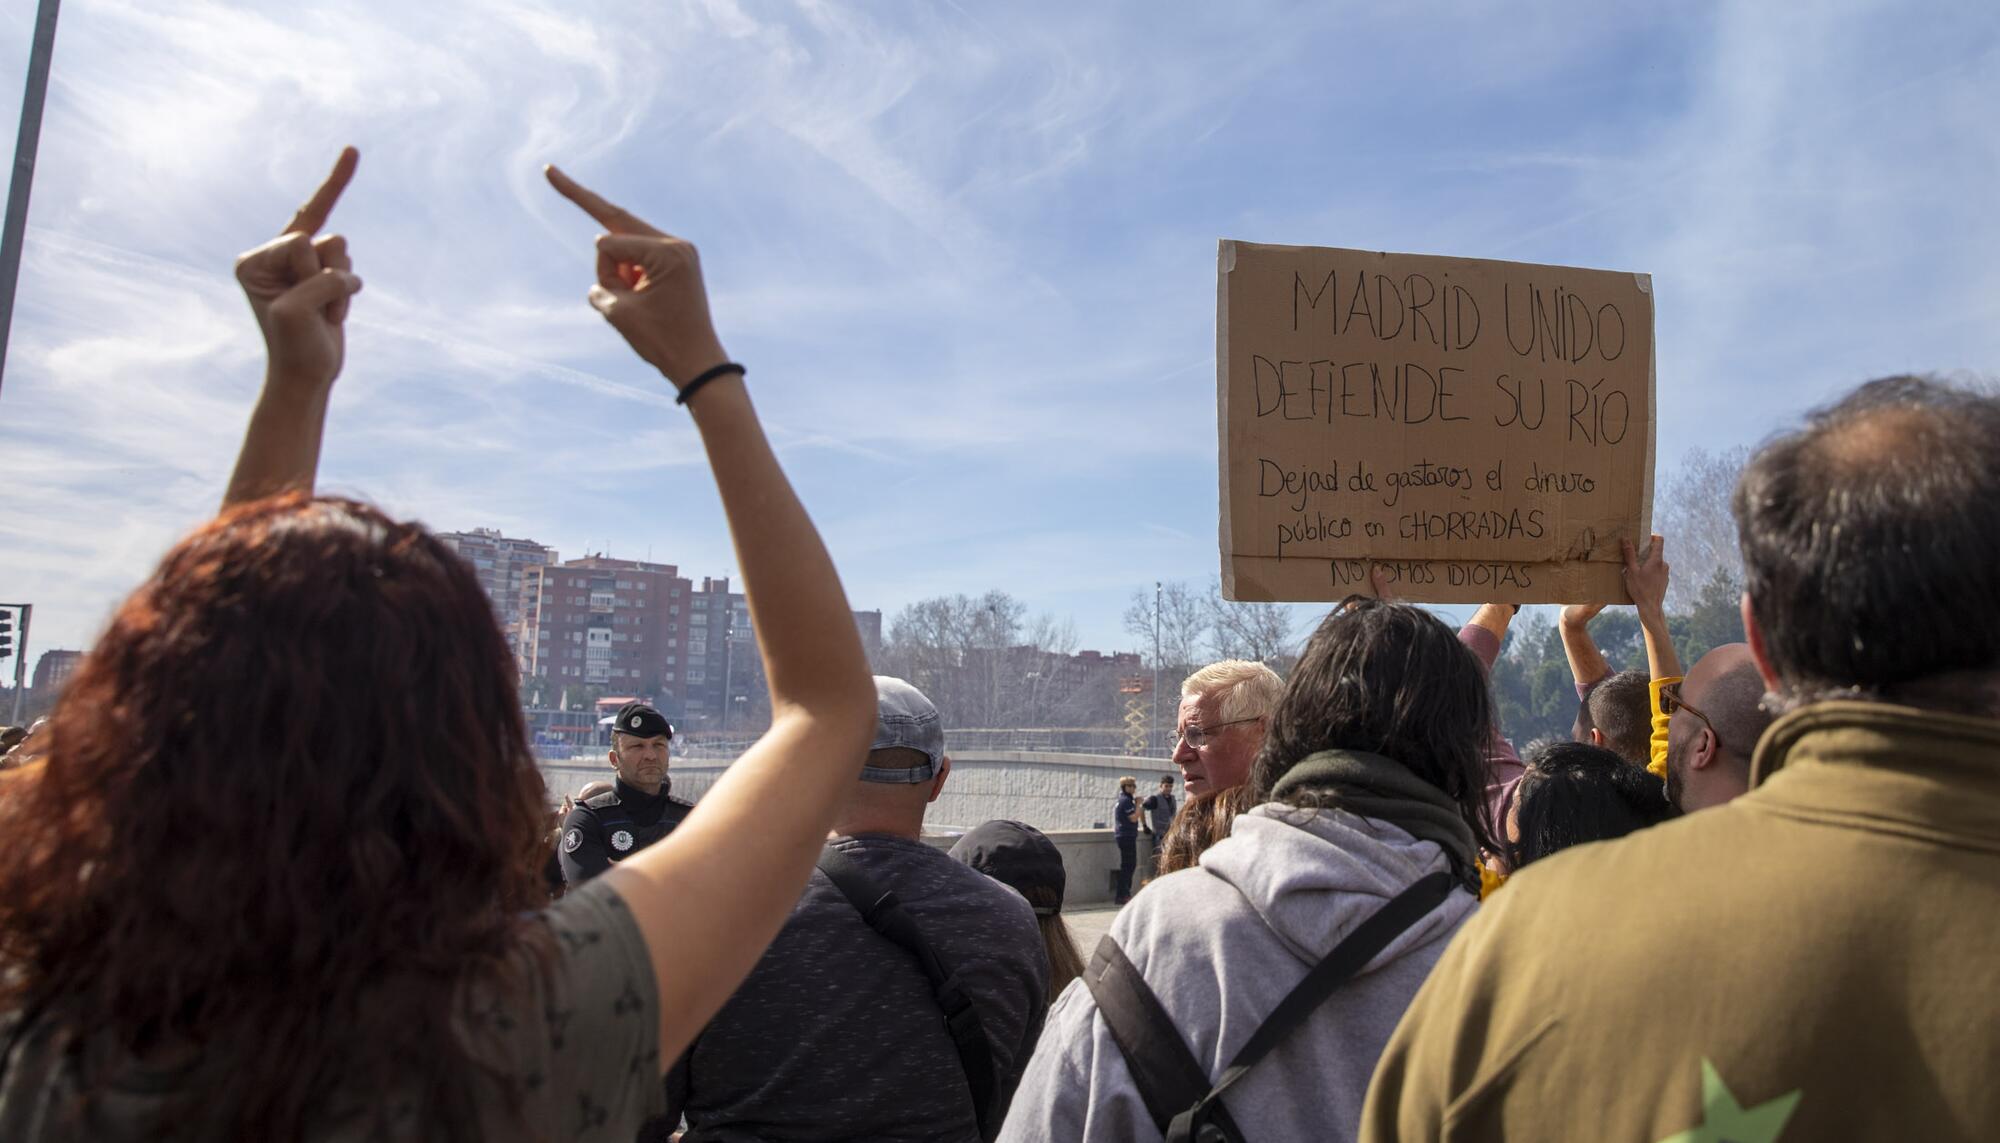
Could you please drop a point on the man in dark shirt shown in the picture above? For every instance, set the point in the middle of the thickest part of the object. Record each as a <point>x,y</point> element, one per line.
<point>838,1033</point>
<point>1125,831</point>
<point>638,811</point>
<point>1160,806</point>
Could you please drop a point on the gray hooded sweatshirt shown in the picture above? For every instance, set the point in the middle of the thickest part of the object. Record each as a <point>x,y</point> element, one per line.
<point>1221,944</point>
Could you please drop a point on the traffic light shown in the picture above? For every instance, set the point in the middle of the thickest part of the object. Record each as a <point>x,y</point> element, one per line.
<point>6,633</point>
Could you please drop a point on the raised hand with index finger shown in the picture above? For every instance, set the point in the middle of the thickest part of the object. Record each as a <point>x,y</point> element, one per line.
<point>649,288</point>
<point>298,285</point>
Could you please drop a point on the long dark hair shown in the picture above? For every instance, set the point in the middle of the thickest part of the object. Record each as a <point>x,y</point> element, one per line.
<point>287,810</point>
<point>1573,793</point>
<point>1201,823</point>
<point>1389,679</point>
<point>1065,961</point>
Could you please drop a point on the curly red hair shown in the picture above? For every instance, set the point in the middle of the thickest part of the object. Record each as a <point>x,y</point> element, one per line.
<point>287,810</point>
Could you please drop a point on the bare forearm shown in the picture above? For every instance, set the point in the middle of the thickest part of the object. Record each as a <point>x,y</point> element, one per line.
<point>1661,660</point>
<point>281,445</point>
<point>1494,617</point>
<point>1587,664</point>
<point>811,649</point>
<point>785,790</point>
<point>737,863</point>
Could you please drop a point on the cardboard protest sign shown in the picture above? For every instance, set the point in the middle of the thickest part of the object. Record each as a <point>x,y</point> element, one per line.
<point>1484,430</point>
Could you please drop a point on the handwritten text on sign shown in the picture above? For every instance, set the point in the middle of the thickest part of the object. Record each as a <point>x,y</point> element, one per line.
<point>1483,430</point>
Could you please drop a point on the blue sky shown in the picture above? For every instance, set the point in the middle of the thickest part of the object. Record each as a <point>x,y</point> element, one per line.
<point>967,251</point>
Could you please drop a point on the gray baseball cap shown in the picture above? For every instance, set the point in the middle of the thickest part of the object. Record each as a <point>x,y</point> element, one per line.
<point>905,718</point>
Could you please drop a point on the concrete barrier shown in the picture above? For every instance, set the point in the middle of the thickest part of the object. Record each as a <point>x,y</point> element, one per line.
<point>1048,791</point>
<point>1090,862</point>
<point>1063,795</point>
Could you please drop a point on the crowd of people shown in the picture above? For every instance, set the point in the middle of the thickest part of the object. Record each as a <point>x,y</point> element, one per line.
<point>282,865</point>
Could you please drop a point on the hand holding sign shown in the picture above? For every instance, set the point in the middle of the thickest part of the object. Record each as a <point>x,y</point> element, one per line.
<point>298,287</point>
<point>1646,579</point>
<point>648,287</point>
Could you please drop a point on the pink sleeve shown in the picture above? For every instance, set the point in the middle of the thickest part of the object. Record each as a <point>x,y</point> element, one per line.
<point>1503,765</point>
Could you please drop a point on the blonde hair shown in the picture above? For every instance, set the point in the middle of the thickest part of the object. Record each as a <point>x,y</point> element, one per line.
<point>1128,780</point>
<point>1246,689</point>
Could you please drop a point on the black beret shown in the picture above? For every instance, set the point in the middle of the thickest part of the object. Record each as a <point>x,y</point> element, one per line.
<point>641,721</point>
<point>1015,855</point>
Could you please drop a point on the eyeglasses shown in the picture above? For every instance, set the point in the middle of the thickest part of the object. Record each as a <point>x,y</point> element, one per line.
<point>1200,736</point>
<point>1671,701</point>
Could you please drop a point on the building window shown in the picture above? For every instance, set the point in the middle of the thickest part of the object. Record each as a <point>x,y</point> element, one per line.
<point>697,675</point>
<point>668,677</point>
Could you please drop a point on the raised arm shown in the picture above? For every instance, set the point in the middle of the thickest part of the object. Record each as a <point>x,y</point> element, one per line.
<point>298,286</point>
<point>1587,664</point>
<point>741,859</point>
<point>1646,581</point>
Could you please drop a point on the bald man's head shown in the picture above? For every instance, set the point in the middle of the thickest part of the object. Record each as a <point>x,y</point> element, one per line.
<point>1726,686</point>
<point>1728,692</point>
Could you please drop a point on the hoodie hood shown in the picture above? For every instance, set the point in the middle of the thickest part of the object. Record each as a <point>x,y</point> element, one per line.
<point>1312,877</point>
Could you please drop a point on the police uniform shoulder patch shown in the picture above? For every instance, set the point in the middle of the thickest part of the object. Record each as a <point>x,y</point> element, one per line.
<point>621,840</point>
<point>571,840</point>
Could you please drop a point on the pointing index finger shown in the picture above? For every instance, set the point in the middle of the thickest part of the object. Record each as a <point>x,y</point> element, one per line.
<point>312,215</point>
<point>610,216</point>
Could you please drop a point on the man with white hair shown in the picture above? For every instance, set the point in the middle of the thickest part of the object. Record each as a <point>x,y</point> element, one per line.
<point>1225,709</point>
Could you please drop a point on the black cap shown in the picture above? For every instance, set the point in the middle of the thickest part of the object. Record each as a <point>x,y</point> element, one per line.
<point>1016,855</point>
<point>641,721</point>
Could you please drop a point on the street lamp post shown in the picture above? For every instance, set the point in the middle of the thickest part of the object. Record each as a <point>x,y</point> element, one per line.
<point>13,231</point>
<point>1157,594</point>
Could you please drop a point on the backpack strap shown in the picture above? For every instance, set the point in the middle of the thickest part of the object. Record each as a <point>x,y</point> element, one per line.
<point>885,914</point>
<point>1169,1078</point>
<point>1348,957</point>
<point>1146,1035</point>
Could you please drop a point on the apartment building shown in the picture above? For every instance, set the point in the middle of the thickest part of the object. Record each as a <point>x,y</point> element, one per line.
<point>723,676</point>
<point>622,625</point>
<point>502,565</point>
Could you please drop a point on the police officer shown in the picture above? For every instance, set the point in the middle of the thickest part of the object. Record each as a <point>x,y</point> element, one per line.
<point>637,812</point>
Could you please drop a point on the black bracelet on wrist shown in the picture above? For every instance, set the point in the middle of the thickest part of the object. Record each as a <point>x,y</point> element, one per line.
<point>726,367</point>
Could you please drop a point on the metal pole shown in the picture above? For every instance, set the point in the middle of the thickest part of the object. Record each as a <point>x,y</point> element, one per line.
<point>21,662</point>
<point>15,228</point>
<point>728,647</point>
<point>1156,660</point>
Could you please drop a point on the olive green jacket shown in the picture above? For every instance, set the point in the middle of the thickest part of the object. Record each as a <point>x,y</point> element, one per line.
<point>1819,959</point>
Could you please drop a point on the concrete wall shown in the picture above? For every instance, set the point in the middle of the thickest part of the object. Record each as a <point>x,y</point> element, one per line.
<point>1090,858</point>
<point>1067,796</point>
<point>1048,791</point>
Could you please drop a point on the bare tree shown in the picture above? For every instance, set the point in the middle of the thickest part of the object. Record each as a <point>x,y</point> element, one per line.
<point>958,649</point>
<point>1692,512</point>
<point>1259,631</point>
<point>1185,617</point>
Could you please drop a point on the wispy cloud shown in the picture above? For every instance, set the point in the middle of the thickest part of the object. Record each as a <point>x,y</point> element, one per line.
<point>968,253</point>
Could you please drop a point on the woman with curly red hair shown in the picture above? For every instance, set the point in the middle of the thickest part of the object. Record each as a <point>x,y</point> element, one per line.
<point>276,874</point>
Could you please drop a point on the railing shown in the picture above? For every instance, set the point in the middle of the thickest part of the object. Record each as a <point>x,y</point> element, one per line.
<point>1107,740</point>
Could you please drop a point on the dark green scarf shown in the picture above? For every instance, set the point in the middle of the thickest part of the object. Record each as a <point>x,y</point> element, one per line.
<point>1385,790</point>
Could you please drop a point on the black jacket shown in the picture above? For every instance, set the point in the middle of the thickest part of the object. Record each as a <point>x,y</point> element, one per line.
<point>614,826</point>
